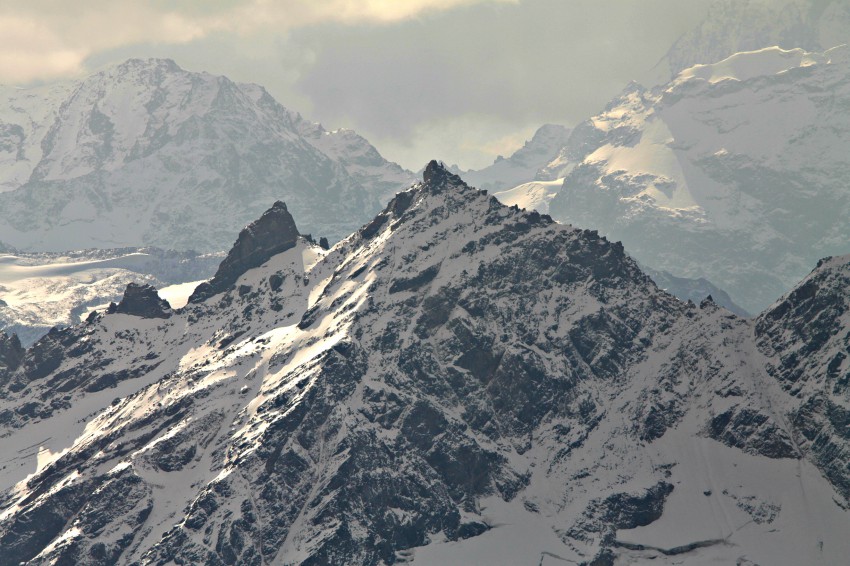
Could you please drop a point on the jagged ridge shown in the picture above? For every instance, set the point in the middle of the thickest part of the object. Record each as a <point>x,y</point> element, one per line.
<point>454,380</point>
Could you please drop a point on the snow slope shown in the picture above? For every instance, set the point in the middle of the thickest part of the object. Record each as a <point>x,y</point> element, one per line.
<point>734,172</point>
<point>457,382</point>
<point>40,291</point>
<point>146,153</point>
<point>535,195</point>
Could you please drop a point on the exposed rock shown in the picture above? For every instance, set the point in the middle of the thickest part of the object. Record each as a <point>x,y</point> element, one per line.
<point>273,233</point>
<point>11,354</point>
<point>483,376</point>
<point>143,301</point>
<point>436,175</point>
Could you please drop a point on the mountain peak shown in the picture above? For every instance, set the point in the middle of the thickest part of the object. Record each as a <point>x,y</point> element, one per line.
<point>437,174</point>
<point>149,63</point>
<point>274,232</point>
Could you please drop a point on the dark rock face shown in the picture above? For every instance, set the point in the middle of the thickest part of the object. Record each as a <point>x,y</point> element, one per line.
<point>752,431</point>
<point>806,336</point>
<point>143,301</point>
<point>273,233</point>
<point>43,358</point>
<point>385,397</point>
<point>436,175</point>
<point>11,354</point>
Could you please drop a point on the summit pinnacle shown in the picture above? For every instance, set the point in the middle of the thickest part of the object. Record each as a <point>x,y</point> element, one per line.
<point>273,233</point>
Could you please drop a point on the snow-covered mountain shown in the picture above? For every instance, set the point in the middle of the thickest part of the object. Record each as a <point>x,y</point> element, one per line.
<point>537,195</point>
<point>522,166</point>
<point>40,291</point>
<point>457,382</point>
<point>147,154</point>
<point>733,26</point>
<point>735,172</point>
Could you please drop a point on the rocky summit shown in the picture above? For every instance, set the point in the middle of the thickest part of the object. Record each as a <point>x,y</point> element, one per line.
<point>274,233</point>
<point>457,382</point>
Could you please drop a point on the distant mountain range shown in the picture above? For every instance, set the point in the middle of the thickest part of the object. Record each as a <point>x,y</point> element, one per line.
<point>733,26</point>
<point>462,378</point>
<point>735,172</point>
<point>458,382</point>
<point>148,154</point>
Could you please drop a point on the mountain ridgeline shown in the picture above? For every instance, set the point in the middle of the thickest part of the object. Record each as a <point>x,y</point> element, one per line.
<point>699,177</point>
<point>148,154</point>
<point>456,382</point>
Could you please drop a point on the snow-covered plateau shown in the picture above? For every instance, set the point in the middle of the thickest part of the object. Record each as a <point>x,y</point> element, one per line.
<point>457,382</point>
<point>148,154</point>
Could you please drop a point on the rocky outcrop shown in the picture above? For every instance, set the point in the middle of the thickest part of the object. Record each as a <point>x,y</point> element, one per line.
<point>11,352</point>
<point>459,376</point>
<point>11,355</point>
<point>143,301</point>
<point>273,233</point>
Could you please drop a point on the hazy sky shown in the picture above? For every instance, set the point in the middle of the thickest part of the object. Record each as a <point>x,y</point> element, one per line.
<point>458,80</point>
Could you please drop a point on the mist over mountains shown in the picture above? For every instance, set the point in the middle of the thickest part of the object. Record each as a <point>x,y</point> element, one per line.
<point>702,178</point>
<point>733,26</point>
<point>628,342</point>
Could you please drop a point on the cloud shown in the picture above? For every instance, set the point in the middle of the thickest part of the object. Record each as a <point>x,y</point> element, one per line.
<point>27,44</point>
<point>42,38</point>
<point>461,80</point>
<point>473,138</point>
<point>511,66</point>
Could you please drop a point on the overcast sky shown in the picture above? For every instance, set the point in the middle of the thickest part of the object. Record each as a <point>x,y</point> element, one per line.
<point>457,80</point>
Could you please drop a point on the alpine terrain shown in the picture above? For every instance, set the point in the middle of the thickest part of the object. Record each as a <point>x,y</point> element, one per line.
<point>41,290</point>
<point>457,382</point>
<point>735,171</point>
<point>523,164</point>
<point>148,154</point>
<point>732,26</point>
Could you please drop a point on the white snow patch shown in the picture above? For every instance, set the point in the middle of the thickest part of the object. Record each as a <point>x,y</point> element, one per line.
<point>750,64</point>
<point>178,295</point>
<point>535,195</point>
